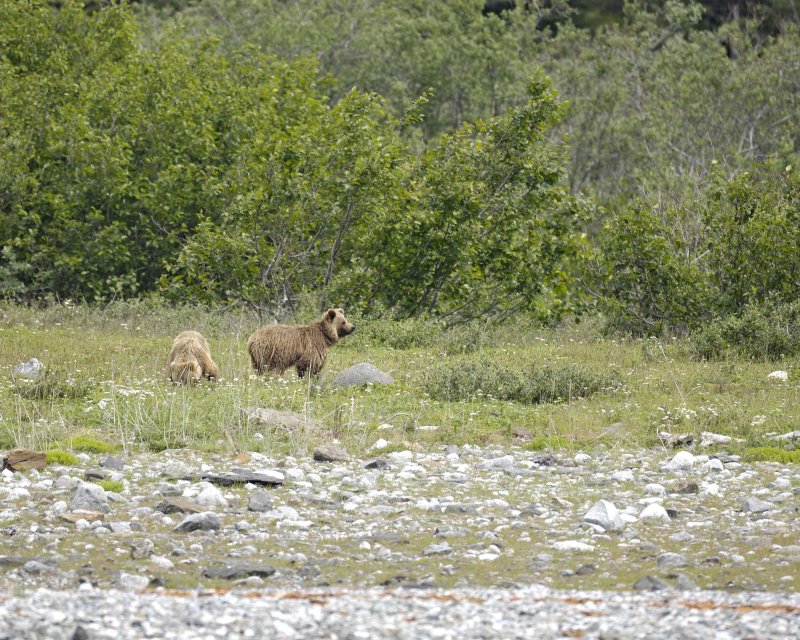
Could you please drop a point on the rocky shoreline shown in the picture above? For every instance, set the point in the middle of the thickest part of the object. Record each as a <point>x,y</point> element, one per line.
<point>530,612</point>
<point>514,537</point>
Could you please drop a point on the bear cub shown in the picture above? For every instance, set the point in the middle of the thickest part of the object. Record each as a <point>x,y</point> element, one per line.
<point>275,348</point>
<point>190,359</point>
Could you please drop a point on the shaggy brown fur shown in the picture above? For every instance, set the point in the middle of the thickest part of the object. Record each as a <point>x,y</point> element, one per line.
<point>276,348</point>
<point>190,359</point>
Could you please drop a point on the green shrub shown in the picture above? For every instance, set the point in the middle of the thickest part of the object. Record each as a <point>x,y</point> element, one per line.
<point>771,454</point>
<point>57,456</point>
<point>469,377</point>
<point>564,382</point>
<point>648,279</point>
<point>383,328</point>
<point>767,330</point>
<point>89,445</point>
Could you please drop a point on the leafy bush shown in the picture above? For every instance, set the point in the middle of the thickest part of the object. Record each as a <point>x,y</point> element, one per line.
<point>562,382</point>
<point>383,327</point>
<point>469,377</point>
<point>648,277</point>
<point>753,233</point>
<point>766,330</point>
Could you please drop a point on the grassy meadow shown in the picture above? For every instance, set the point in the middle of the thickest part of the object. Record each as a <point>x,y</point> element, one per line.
<point>572,388</point>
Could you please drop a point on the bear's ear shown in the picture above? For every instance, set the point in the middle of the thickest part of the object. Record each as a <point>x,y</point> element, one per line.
<point>330,315</point>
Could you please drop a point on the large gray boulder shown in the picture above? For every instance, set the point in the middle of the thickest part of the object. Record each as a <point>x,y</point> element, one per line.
<point>89,496</point>
<point>361,374</point>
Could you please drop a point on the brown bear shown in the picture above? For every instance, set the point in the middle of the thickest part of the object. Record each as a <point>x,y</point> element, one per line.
<point>190,359</point>
<point>277,347</point>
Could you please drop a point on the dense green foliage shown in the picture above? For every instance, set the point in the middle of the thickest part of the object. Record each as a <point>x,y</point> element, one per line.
<point>232,178</point>
<point>675,266</point>
<point>470,377</point>
<point>763,330</point>
<point>408,156</point>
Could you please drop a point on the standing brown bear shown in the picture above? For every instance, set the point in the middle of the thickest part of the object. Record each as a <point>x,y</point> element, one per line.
<point>190,359</point>
<point>277,347</point>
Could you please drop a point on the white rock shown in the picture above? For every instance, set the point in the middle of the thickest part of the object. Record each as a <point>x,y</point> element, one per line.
<point>294,474</point>
<point>132,582</point>
<point>31,369</point>
<point>582,458</point>
<point>401,456</point>
<point>502,462</point>
<point>655,489</point>
<point>161,562</point>
<point>604,514</point>
<point>59,507</point>
<point>272,474</point>
<point>208,495</point>
<point>624,475</point>
<point>713,465</point>
<point>654,512</point>
<point>709,490</point>
<point>709,439</point>
<point>380,443</point>
<point>681,461</point>
<point>791,435</point>
<point>572,545</point>
<point>778,376</point>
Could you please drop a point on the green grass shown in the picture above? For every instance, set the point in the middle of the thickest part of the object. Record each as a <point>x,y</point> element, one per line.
<point>88,444</point>
<point>111,485</point>
<point>56,456</point>
<point>567,386</point>
<point>771,454</point>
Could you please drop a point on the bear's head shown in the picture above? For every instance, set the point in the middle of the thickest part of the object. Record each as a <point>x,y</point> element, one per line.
<point>340,325</point>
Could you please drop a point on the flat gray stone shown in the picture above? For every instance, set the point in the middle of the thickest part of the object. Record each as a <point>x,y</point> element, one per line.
<point>671,560</point>
<point>361,374</point>
<point>754,505</point>
<point>239,571</point>
<point>263,478</point>
<point>259,501</point>
<point>36,567</point>
<point>206,521</point>
<point>176,504</point>
<point>438,549</point>
<point>330,453</point>
<point>113,463</point>
<point>650,583</point>
<point>379,464</point>
<point>89,496</point>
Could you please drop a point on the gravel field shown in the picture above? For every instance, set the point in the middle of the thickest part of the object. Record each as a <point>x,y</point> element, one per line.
<point>530,612</point>
<point>458,542</point>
